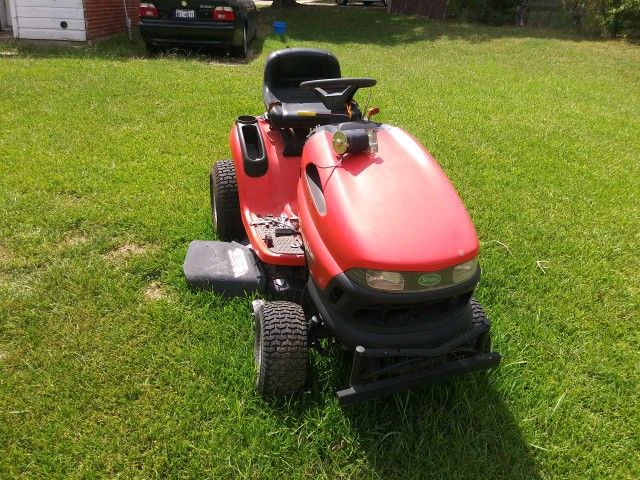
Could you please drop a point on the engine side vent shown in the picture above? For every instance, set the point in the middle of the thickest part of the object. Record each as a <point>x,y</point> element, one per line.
<point>315,187</point>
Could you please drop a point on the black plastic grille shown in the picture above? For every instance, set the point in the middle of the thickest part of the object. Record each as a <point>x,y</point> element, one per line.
<point>404,316</point>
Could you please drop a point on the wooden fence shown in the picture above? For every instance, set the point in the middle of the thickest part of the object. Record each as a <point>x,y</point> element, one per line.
<point>424,8</point>
<point>541,13</point>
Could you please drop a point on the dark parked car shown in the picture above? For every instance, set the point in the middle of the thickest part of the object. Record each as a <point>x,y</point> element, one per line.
<point>228,24</point>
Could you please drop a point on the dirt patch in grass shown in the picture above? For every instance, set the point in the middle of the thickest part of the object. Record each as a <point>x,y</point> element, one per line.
<point>155,291</point>
<point>69,197</point>
<point>73,240</point>
<point>5,255</point>
<point>125,251</point>
<point>9,356</point>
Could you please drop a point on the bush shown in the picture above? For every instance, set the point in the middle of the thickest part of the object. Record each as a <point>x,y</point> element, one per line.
<point>624,19</point>
<point>614,18</point>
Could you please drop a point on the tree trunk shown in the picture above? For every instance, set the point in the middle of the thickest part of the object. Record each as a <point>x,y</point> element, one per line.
<point>284,4</point>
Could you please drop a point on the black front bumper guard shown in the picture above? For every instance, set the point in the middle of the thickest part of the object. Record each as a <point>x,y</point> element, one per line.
<point>365,383</point>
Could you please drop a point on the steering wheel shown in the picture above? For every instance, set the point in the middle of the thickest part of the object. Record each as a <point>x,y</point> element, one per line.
<point>335,93</point>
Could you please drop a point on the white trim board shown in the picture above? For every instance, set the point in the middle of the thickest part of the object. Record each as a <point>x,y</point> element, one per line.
<point>14,18</point>
<point>5,18</point>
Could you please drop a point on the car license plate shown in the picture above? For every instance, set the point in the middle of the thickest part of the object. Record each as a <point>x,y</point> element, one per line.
<point>185,13</point>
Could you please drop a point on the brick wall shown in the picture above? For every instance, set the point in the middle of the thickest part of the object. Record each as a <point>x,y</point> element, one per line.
<point>106,17</point>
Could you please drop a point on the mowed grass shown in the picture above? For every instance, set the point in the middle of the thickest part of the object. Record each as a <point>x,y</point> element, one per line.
<point>110,366</point>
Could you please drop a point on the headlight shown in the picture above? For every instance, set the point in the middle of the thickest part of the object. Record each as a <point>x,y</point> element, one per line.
<point>465,270</point>
<point>381,280</point>
<point>355,141</point>
<point>340,143</point>
<point>387,281</point>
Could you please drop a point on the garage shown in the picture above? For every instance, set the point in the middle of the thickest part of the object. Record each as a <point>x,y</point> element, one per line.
<point>70,20</point>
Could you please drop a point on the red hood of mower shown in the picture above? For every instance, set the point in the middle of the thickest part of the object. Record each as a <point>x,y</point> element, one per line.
<point>394,210</point>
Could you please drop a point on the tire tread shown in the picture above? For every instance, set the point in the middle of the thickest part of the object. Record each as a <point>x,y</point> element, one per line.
<point>483,343</point>
<point>283,333</point>
<point>224,198</point>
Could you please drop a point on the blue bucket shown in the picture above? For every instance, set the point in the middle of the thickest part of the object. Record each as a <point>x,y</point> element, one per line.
<point>279,28</point>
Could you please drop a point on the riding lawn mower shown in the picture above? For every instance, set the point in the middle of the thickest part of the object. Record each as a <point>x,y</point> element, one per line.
<point>352,232</point>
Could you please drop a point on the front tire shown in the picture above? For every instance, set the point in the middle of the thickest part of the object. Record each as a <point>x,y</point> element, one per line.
<point>281,349</point>
<point>225,203</point>
<point>483,342</point>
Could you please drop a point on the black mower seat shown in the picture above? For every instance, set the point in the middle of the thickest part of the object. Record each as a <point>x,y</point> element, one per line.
<point>290,106</point>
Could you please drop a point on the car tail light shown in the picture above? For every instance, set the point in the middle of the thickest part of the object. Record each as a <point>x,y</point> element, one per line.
<point>223,14</point>
<point>148,10</point>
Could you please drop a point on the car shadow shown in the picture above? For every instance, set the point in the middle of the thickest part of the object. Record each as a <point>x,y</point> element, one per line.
<point>122,48</point>
<point>213,54</point>
<point>460,428</point>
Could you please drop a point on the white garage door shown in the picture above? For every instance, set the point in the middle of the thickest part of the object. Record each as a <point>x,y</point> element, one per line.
<point>50,19</point>
<point>5,14</point>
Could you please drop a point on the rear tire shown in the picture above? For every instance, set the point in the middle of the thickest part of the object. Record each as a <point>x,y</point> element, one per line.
<point>243,49</point>
<point>281,349</point>
<point>225,203</point>
<point>483,342</point>
<point>152,50</point>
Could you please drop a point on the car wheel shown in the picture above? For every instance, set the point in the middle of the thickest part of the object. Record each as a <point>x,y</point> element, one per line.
<point>483,343</point>
<point>341,2</point>
<point>225,203</point>
<point>152,49</point>
<point>281,349</point>
<point>243,49</point>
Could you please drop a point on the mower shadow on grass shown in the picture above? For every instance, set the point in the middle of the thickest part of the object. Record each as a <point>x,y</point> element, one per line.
<point>460,428</point>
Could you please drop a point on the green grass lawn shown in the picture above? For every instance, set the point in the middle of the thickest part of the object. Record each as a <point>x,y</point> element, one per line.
<point>110,366</point>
